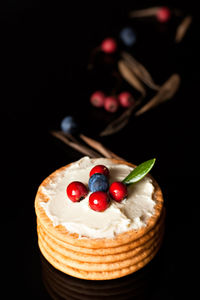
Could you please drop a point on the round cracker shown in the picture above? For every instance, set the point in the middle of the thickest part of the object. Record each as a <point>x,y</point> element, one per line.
<point>62,234</point>
<point>99,259</point>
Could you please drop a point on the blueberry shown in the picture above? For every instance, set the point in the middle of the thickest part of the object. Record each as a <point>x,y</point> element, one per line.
<point>98,182</point>
<point>128,36</point>
<point>68,125</point>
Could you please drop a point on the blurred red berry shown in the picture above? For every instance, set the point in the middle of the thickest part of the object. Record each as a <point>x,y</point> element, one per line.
<point>126,99</point>
<point>97,99</point>
<point>109,45</point>
<point>111,104</point>
<point>164,14</point>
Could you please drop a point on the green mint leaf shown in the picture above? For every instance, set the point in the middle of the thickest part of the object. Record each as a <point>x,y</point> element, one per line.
<point>139,172</point>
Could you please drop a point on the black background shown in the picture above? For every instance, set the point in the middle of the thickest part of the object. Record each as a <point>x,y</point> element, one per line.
<point>45,49</point>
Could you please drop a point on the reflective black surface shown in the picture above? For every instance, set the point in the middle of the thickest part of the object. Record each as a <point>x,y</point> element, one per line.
<point>45,51</point>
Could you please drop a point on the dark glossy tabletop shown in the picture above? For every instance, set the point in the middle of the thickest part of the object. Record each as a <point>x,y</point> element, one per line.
<point>46,49</point>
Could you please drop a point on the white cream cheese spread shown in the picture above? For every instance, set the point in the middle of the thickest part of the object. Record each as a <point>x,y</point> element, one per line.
<point>132,213</point>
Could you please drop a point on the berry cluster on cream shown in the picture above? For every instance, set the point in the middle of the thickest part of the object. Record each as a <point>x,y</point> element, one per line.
<point>101,191</point>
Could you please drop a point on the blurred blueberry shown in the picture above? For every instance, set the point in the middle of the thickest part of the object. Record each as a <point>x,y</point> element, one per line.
<point>68,125</point>
<point>98,182</point>
<point>127,35</point>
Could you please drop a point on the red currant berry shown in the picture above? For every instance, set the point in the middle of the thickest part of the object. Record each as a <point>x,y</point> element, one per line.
<point>126,99</point>
<point>100,169</point>
<point>111,104</point>
<point>109,45</point>
<point>99,201</point>
<point>97,99</point>
<point>164,14</point>
<point>118,191</point>
<point>76,191</point>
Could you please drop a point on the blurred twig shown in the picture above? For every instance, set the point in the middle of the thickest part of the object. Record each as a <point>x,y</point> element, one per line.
<point>72,142</point>
<point>98,150</point>
<point>166,92</point>
<point>182,28</point>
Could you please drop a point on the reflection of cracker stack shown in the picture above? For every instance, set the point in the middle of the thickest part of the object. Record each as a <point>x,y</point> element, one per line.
<point>102,258</point>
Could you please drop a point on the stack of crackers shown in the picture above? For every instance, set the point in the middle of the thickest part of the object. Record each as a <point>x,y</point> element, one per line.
<point>101,258</point>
